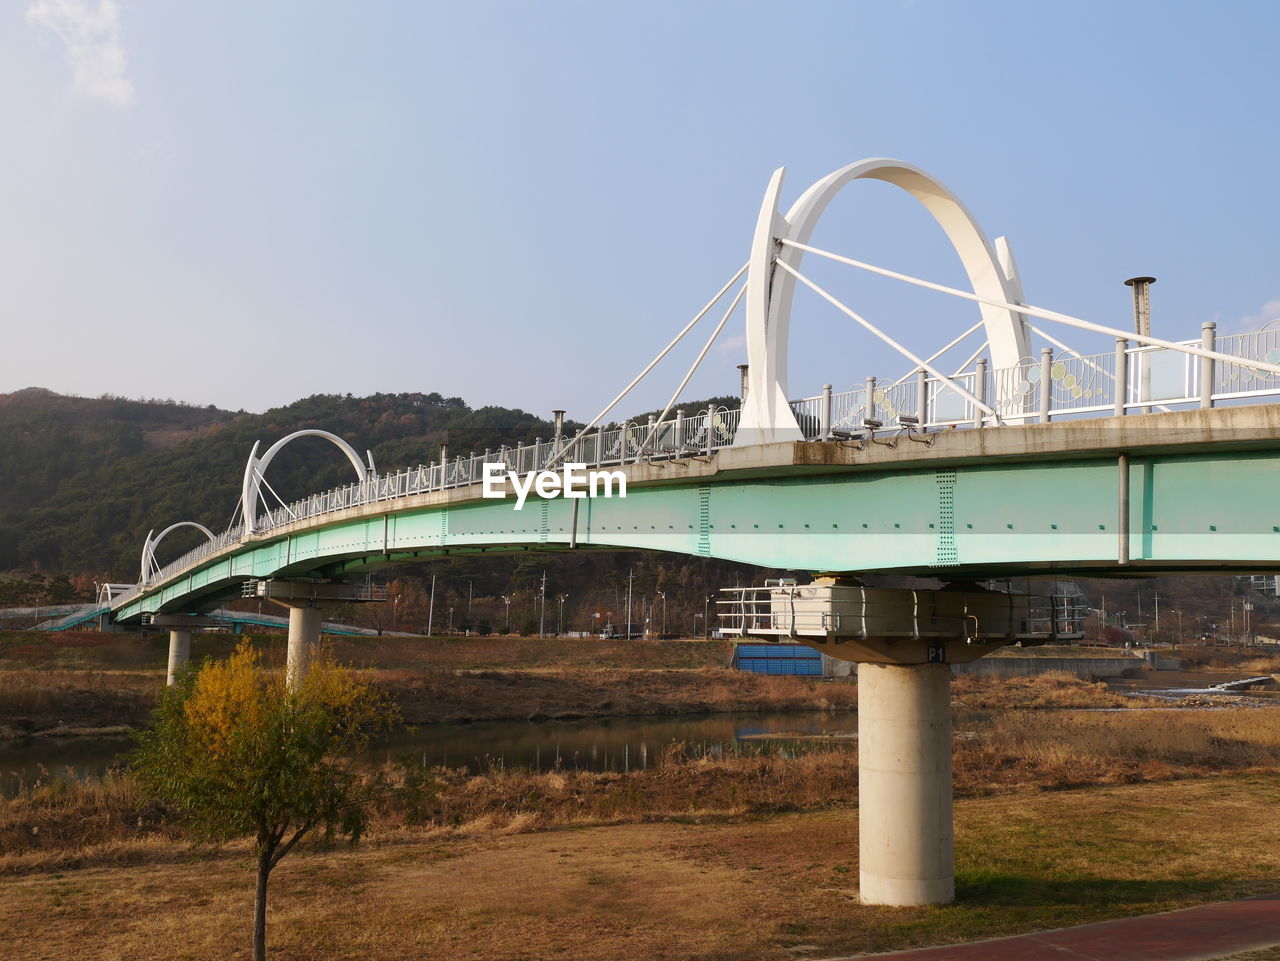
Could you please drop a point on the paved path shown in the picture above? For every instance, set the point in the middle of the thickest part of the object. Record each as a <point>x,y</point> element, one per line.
<point>1192,934</point>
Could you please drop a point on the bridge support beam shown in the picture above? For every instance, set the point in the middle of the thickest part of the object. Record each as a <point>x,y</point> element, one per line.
<point>179,653</point>
<point>304,632</point>
<point>905,837</point>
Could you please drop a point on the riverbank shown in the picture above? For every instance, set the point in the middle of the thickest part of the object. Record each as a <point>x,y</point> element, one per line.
<point>86,682</point>
<point>1003,753</point>
<point>710,883</point>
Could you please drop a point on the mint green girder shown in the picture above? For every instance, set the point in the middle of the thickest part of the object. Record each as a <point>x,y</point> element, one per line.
<point>1214,511</point>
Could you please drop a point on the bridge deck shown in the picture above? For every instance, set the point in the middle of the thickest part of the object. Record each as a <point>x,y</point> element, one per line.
<point>1021,499</point>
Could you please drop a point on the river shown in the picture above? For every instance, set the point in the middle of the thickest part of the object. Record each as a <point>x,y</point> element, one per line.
<point>597,744</point>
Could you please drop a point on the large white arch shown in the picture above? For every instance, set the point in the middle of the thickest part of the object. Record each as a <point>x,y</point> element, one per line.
<point>766,414</point>
<point>256,467</point>
<point>151,543</point>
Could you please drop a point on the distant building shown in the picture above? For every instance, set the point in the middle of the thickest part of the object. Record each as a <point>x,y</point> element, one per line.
<point>1268,584</point>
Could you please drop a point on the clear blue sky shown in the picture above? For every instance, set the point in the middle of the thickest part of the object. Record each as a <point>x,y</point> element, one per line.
<point>518,203</point>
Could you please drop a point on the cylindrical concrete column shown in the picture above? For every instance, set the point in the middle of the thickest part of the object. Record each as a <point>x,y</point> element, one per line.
<point>304,630</point>
<point>904,784</point>
<point>179,652</point>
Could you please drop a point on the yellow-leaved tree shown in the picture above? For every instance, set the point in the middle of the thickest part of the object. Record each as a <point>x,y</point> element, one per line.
<point>237,752</point>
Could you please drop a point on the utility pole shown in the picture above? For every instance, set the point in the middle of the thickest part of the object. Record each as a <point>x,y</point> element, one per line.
<point>431,607</point>
<point>630,575</point>
<point>506,599</point>
<point>470,584</point>
<point>560,623</point>
<point>706,613</point>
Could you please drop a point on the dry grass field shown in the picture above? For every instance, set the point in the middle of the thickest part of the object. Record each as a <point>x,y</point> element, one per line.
<point>700,886</point>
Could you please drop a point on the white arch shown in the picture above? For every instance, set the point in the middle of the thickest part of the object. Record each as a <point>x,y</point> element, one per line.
<point>151,543</point>
<point>256,467</point>
<point>766,415</point>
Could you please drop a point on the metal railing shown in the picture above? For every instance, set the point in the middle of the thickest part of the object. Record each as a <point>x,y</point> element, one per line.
<point>1050,387</point>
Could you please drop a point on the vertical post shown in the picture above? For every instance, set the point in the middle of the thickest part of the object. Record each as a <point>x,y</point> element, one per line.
<point>743,381</point>
<point>1122,520</point>
<point>922,397</point>
<point>304,632</point>
<point>905,839</point>
<point>678,440</point>
<point>825,421</point>
<point>600,445</point>
<point>559,417</point>
<point>980,390</point>
<point>1046,383</point>
<point>711,419</point>
<point>431,606</point>
<point>871,398</point>
<point>1207,371</point>
<point>1122,374</point>
<point>179,653</point>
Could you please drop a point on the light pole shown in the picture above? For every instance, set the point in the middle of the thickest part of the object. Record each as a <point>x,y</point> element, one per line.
<point>1179,613</point>
<point>560,623</point>
<point>542,617</point>
<point>663,595</point>
<point>706,616</point>
<point>696,615</point>
<point>506,599</point>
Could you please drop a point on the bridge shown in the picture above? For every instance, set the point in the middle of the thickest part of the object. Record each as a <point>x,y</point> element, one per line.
<point>1028,458</point>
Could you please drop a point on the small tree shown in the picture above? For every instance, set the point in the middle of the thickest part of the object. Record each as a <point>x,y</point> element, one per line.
<point>237,753</point>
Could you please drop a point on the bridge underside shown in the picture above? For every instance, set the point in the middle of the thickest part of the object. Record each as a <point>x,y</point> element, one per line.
<point>1036,509</point>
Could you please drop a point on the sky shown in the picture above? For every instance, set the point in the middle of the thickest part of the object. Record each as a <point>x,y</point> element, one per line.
<point>520,203</point>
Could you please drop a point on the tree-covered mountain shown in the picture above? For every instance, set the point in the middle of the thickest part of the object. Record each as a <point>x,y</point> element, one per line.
<point>82,480</point>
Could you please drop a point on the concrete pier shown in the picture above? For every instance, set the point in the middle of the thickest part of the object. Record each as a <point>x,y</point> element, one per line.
<point>179,652</point>
<point>905,835</point>
<point>304,631</point>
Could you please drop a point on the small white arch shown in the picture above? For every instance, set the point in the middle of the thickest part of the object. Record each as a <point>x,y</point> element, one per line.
<point>766,413</point>
<point>256,467</point>
<point>149,565</point>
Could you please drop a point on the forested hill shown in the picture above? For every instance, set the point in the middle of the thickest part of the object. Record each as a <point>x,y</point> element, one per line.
<point>82,480</point>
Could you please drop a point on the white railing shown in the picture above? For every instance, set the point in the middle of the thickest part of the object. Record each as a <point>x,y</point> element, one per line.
<point>1153,378</point>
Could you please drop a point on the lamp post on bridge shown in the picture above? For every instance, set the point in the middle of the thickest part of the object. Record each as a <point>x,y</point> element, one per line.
<point>506,599</point>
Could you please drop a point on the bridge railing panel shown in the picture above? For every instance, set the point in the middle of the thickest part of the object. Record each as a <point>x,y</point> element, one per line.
<point>946,407</point>
<point>896,400</point>
<point>848,408</point>
<point>1083,384</point>
<point>1232,381</point>
<point>1016,390</point>
<point>1159,375</point>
